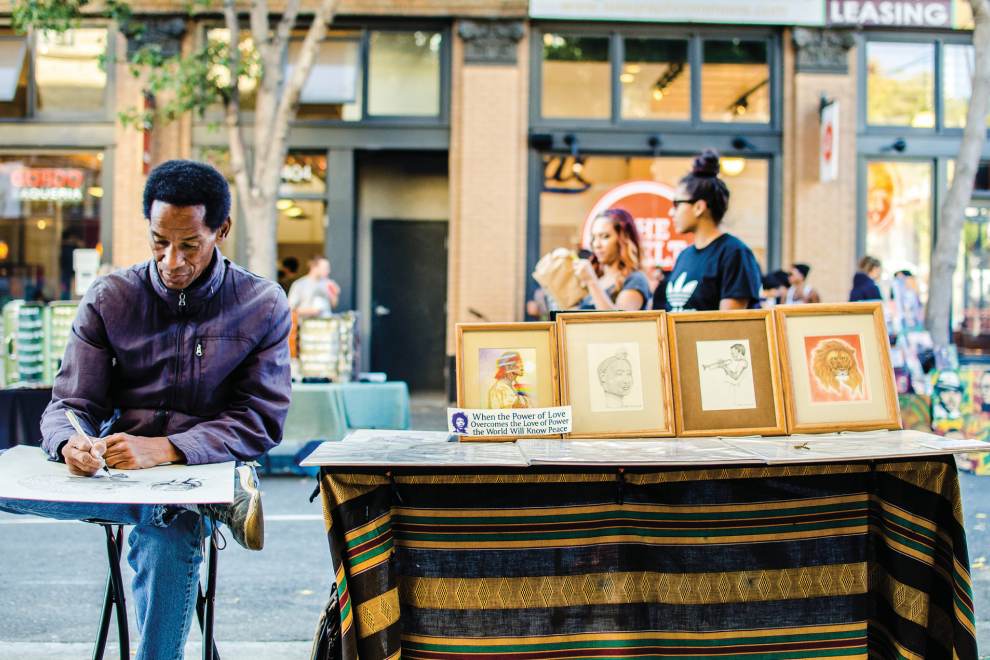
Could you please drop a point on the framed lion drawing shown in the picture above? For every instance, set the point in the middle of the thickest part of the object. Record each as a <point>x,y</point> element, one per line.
<point>836,368</point>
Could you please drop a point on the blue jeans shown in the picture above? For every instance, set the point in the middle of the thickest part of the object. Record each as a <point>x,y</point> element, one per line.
<point>166,549</point>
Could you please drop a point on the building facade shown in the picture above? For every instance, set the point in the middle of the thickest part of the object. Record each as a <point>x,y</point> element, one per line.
<point>442,147</point>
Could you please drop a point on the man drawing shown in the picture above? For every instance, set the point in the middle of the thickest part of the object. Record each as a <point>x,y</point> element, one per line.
<point>180,359</point>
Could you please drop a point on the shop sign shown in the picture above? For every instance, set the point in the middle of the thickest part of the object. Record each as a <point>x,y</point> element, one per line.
<point>649,203</point>
<point>48,184</point>
<point>750,12</point>
<point>828,157</point>
<point>297,173</point>
<point>891,13</point>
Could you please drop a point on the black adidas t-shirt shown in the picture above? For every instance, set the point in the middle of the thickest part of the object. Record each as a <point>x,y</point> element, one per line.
<point>725,268</point>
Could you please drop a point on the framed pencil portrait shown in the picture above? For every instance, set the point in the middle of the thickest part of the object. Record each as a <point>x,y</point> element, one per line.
<point>506,365</point>
<point>615,374</point>
<point>836,368</point>
<point>726,374</point>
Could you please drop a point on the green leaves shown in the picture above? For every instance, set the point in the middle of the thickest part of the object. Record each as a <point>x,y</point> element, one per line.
<point>61,15</point>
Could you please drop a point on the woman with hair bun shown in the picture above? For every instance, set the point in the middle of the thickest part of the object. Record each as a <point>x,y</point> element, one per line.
<point>612,274</point>
<point>718,272</point>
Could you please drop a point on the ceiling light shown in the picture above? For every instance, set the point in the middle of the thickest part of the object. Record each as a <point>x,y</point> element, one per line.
<point>633,68</point>
<point>42,224</point>
<point>657,94</point>
<point>95,191</point>
<point>294,212</point>
<point>284,204</point>
<point>733,166</point>
<point>627,78</point>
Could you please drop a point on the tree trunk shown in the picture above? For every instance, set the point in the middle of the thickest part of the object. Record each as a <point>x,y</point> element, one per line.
<point>951,218</point>
<point>261,224</point>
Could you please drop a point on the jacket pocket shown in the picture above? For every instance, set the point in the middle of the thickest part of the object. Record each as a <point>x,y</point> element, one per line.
<point>215,362</point>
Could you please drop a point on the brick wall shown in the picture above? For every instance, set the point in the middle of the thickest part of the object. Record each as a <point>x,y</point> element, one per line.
<point>489,114</point>
<point>821,227</point>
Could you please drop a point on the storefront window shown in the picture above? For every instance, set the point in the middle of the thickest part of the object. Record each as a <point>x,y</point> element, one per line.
<point>404,73</point>
<point>68,72</point>
<point>899,218</point>
<point>576,77</point>
<point>333,89</point>
<point>13,76</point>
<point>644,187</point>
<point>957,83</point>
<point>735,81</point>
<point>900,84</point>
<point>49,207</point>
<point>656,80</point>
<point>302,218</point>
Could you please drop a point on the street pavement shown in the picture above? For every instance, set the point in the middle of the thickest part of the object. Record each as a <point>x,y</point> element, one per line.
<point>52,576</point>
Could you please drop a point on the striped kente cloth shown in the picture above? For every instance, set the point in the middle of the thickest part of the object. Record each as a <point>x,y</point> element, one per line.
<point>840,560</point>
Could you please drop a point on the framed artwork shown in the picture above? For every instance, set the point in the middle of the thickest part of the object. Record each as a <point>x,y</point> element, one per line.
<point>506,365</point>
<point>726,374</point>
<point>615,374</point>
<point>836,368</point>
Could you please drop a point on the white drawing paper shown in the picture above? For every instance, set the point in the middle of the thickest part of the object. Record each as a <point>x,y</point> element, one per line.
<point>615,377</point>
<point>838,447</point>
<point>725,370</point>
<point>27,474</point>
<point>411,453</point>
<point>695,451</point>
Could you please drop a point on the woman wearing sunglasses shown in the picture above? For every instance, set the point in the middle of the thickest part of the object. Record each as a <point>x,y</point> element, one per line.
<point>717,272</point>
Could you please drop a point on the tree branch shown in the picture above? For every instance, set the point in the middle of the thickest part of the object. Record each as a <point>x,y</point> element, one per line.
<point>288,20</point>
<point>289,101</point>
<point>232,106</point>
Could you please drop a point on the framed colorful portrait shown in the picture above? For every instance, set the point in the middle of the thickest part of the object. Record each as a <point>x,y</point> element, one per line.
<point>726,373</point>
<point>615,374</point>
<point>506,365</point>
<point>836,368</point>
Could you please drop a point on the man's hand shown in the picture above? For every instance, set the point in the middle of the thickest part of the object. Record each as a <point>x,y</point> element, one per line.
<point>134,452</point>
<point>82,456</point>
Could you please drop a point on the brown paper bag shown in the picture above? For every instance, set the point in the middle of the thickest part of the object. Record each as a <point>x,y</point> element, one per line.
<point>555,274</point>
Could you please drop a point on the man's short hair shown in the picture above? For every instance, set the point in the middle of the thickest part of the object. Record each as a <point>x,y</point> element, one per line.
<point>188,183</point>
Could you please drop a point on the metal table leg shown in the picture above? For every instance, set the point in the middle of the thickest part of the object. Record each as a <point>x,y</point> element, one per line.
<point>114,598</point>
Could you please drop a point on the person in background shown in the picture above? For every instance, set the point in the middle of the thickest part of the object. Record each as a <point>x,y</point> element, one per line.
<point>864,282</point>
<point>800,291</point>
<point>774,288</point>
<point>660,292</point>
<point>288,272</point>
<point>612,274</point>
<point>909,310</point>
<point>314,294</point>
<point>719,271</point>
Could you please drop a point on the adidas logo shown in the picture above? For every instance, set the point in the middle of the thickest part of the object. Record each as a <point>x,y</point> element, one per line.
<point>679,291</point>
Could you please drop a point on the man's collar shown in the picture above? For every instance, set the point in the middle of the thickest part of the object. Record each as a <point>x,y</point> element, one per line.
<point>197,293</point>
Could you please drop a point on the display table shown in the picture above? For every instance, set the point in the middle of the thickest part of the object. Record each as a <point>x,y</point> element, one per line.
<point>20,415</point>
<point>327,411</point>
<point>837,559</point>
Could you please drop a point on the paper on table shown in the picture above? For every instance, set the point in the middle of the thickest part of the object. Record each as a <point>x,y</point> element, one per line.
<point>27,474</point>
<point>364,435</point>
<point>695,451</point>
<point>838,447</point>
<point>949,446</point>
<point>411,453</point>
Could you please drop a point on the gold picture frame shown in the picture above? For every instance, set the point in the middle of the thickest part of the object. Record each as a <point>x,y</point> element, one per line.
<point>487,359</point>
<point>628,395</point>
<point>726,373</point>
<point>836,368</point>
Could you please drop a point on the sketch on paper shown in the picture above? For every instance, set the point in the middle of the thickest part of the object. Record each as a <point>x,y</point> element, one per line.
<point>26,473</point>
<point>835,369</point>
<point>615,381</point>
<point>503,374</point>
<point>725,370</point>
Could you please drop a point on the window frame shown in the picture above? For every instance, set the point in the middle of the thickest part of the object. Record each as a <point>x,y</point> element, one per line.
<point>939,41</point>
<point>695,37</point>
<point>364,29</point>
<point>32,115</point>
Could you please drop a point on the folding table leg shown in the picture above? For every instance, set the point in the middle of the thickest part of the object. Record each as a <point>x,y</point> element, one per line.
<point>205,602</point>
<point>114,597</point>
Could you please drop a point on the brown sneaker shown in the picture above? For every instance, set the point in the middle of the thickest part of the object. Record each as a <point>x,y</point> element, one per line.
<point>243,516</point>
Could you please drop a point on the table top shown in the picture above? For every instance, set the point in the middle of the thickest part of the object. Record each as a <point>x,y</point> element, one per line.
<point>404,449</point>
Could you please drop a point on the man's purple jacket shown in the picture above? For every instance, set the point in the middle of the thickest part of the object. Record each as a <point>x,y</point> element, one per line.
<point>208,367</point>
